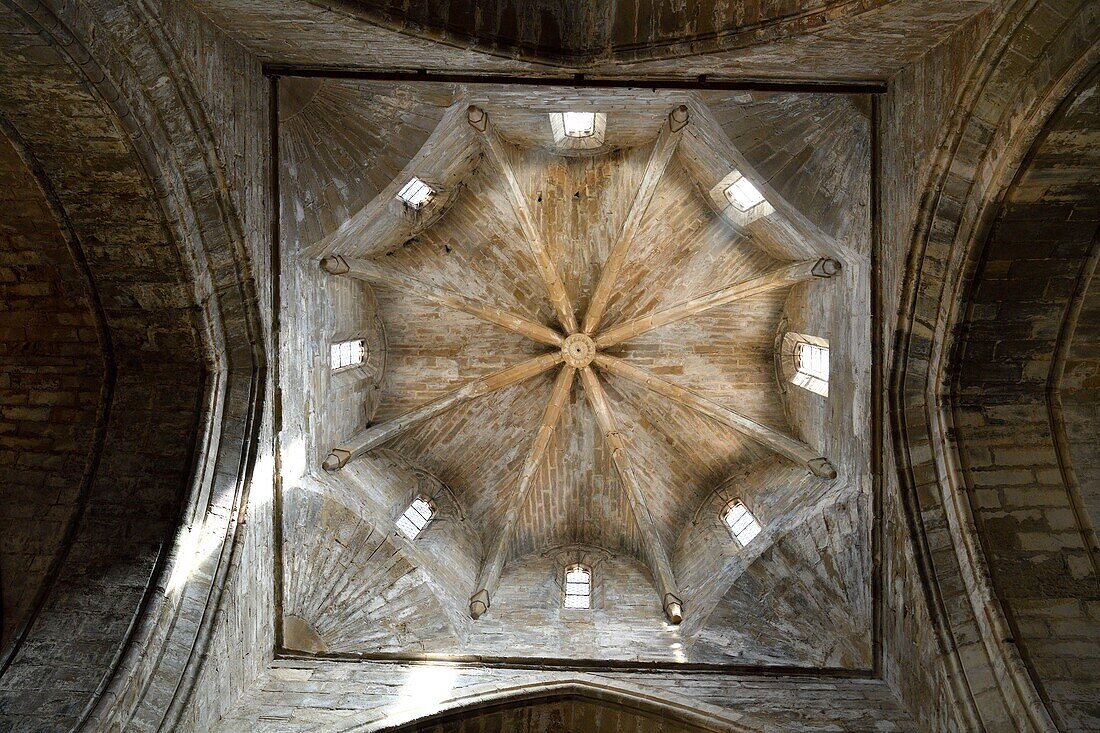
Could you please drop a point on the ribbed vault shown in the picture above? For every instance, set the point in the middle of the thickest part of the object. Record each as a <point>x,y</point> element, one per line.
<point>580,349</point>
<point>173,553</point>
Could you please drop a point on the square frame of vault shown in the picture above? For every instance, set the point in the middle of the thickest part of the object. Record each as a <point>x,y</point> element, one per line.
<point>802,597</point>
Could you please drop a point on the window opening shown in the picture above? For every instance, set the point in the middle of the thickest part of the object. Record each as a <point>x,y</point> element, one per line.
<point>578,587</point>
<point>742,194</point>
<point>415,193</point>
<point>413,521</point>
<point>811,364</point>
<point>575,133</point>
<point>741,522</point>
<point>579,124</point>
<point>347,354</point>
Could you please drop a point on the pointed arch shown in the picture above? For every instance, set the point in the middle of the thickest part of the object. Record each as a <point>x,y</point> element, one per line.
<point>611,698</point>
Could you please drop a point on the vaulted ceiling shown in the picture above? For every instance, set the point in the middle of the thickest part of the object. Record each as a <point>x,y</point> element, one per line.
<point>575,352</point>
<point>190,545</point>
<point>582,30</point>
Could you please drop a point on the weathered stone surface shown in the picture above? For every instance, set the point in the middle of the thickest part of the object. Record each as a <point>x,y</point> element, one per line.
<point>129,501</point>
<point>990,136</point>
<point>859,45</point>
<point>51,393</point>
<point>149,227</point>
<point>498,213</point>
<point>149,123</point>
<point>314,694</point>
<point>1032,488</point>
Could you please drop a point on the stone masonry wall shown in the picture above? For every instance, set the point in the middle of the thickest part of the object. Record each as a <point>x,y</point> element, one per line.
<point>871,45</point>
<point>100,650</point>
<point>52,382</point>
<point>912,121</point>
<point>235,97</point>
<point>147,449</point>
<point>1036,531</point>
<point>579,32</point>
<point>1080,396</point>
<point>995,121</point>
<point>318,695</point>
<point>134,497</point>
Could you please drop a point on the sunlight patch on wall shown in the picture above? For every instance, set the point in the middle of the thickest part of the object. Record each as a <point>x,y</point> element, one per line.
<point>425,688</point>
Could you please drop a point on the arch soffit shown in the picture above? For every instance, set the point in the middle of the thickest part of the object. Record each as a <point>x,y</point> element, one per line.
<point>174,143</point>
<point>654,47</point>
<point>969,180</point>
<point>696,715</point>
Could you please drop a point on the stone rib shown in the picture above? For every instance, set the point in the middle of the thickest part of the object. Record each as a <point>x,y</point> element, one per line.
<point>372,272</point>
<point>555,288</point>
<point>778,278</point>
<point>659,158</point>
<point>660,565</point>
<point>376,435</point>
<point>781,443</point>
<point>493,564</point>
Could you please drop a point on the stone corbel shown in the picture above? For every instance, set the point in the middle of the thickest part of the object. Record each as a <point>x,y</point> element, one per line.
<point>821,468</point>
<point>479,603</point>
<point>477,118</point>
<point>335,265</point>
<point>825,267</point>
<point>674,608</point>
<point>678,118</point>
<point>336,459</point>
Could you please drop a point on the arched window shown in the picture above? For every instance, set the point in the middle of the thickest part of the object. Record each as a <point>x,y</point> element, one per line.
<point>578,587</point>
<point>413,521</point>
<point>806,362</point>
<point>741,522</point>
<point>347,354</point>
<point>811,365</point>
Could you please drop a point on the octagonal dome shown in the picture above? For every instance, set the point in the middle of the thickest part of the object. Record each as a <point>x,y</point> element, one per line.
<point>579,351</point>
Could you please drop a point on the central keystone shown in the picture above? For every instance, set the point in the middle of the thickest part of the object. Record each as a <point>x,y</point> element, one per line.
<point>578,350</point>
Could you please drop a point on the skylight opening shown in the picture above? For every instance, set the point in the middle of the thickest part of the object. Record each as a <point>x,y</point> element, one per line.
<point>347,354</point>
<point>578,133</point>
<point>413,521</point>
<point>578,587</point>
<point>741,522</point>
<point>415,193</point>
<point>579,124</point>
<point>811,364</point>
<point>742,194</point>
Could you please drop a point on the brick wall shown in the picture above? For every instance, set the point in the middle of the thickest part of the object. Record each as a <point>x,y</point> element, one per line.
<point>134,495</point>
<point>53,379</point>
